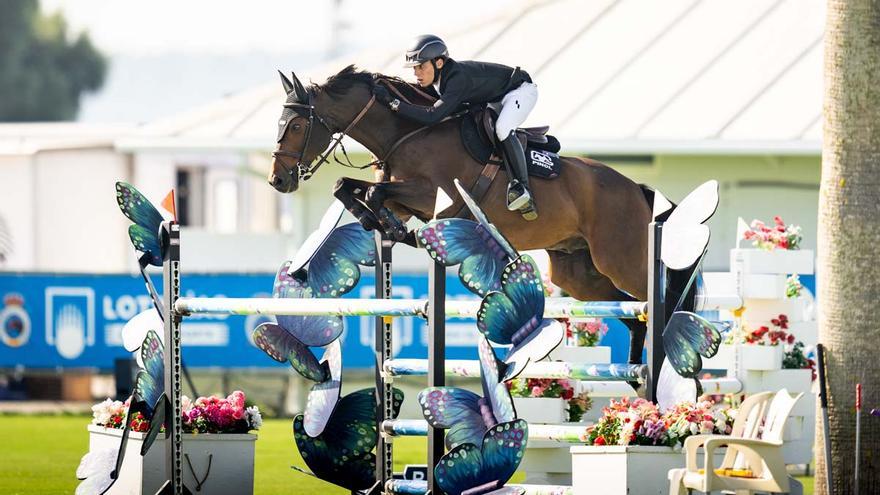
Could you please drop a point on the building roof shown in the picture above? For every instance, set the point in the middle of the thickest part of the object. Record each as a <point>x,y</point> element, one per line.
<point>28,138</point>
<point>614,76</point>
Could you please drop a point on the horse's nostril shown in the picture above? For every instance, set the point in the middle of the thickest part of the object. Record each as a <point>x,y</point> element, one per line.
<point>276,181</point>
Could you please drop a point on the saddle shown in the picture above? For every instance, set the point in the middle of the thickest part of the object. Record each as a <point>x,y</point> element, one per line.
<point>478,137</point>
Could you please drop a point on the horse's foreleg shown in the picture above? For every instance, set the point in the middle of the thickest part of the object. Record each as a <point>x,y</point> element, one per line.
<point>352,193</point>
<point>410,195</point>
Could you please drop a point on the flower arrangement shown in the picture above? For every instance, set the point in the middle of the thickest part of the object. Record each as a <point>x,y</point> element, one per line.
<point>626,422</point>
<point>764,336</point>
<point>204,415</point>
<point>793,286</point>
<point>578,404</point>
<point>779,236</point>
<point>640,422</point>
<point>697,418</point>
<point>584,332</point>
<point>796,359</point>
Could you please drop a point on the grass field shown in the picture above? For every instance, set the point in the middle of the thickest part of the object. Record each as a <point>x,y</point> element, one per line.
<point>42,452</point>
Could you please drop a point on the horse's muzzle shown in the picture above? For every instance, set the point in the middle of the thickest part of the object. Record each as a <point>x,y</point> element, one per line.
<point>283,183</point>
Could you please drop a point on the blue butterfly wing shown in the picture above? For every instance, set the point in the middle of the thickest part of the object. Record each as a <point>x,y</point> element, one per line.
<point>457,410</point>
<point>350,472</point>
<point>313,331</point>
<point>460,469</point>
<point>503,448</point>
<point>458,241</point>
<point>148,389</point>
<point>283,347</point>
<point>686,337</point>
<point>146,241</point>
<point>137,208</point>
<point>333,271</point>
<point>287,285</point>
<point>521,303</point>
<point>153,355</point>
<point>493,388</point>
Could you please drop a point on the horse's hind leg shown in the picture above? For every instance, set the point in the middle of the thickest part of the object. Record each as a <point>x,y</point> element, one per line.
<point>576,274</point>
<point>352,193</point>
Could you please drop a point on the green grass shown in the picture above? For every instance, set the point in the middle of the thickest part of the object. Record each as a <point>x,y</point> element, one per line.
<point>41,454</point>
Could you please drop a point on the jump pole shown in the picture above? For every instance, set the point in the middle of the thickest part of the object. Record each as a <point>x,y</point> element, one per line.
<point>383,348</point>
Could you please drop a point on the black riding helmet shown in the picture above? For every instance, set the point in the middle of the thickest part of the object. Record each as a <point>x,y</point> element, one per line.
<point>425,47</point>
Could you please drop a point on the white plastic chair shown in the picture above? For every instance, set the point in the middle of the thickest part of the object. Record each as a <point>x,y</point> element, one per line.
<point>753,461</point>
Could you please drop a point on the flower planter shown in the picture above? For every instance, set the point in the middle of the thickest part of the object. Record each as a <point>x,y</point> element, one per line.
<point>541,410</point>
<point>577,354</point>
<point>231,458</point>
<point>778,261</point>
<point>760,357</point>
<point>625,470</point>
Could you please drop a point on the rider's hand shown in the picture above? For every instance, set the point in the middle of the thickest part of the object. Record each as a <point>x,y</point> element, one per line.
<point>382,95</point>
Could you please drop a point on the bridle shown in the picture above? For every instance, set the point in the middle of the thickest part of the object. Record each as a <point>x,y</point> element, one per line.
<point>303,170</point>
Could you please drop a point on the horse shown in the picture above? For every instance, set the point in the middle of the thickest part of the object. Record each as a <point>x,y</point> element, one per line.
<point>593,220</point>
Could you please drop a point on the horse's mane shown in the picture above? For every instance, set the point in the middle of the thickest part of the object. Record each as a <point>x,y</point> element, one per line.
<point>341,83</point>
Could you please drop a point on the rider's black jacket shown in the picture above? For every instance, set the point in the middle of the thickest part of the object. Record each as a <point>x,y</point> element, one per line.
<point>470,82</point>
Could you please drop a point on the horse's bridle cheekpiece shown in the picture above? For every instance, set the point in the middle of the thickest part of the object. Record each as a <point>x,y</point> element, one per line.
<point>294,106</point>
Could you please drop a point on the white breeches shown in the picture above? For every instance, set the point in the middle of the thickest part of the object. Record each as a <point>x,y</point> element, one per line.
<point>515,108</point>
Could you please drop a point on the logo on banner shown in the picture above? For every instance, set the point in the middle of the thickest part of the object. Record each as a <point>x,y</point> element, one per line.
<point>15,324</point>
<point>70,319</point>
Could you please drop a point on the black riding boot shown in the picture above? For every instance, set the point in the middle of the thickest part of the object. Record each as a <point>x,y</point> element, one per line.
<point>519,197</point>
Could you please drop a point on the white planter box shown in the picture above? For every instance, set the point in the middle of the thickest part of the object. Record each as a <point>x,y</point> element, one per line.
<point>576,354</point>
<point>722,360</point>
<point>541,410</point>
<point>625,470</point>
<point>760,311</point>
<point>777,261</point>
<point>795,381</point>
<point>763,286</point>
<point>759,357</point>
<point>231,457</point>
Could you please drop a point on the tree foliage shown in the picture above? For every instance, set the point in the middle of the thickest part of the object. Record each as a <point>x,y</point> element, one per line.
<point>43,69</point>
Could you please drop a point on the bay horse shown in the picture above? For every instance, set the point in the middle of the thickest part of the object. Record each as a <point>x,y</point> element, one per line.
<point>593,220</point>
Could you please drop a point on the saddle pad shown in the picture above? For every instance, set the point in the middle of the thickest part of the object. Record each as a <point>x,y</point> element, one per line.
<point>541,163</point>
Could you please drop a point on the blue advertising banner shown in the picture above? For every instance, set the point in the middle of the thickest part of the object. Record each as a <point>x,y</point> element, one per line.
<point>50,321</point>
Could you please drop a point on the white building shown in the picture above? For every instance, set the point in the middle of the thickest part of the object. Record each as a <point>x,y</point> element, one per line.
<point>671,93</point>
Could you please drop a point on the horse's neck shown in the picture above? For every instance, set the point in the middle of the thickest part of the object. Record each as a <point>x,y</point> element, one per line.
<point>378,129</point>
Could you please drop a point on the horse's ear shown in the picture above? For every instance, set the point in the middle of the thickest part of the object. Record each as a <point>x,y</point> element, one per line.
<point>288,86</point>
<point>301,94</point>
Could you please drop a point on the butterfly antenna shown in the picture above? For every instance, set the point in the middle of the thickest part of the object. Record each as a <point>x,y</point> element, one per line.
<point>687,288</point>
<point>303,471</point>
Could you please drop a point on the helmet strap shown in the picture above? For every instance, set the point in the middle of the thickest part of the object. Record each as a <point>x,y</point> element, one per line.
<point>436,71</point>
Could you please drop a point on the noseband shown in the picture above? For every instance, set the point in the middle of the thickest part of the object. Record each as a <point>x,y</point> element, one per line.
<point>305,171</point>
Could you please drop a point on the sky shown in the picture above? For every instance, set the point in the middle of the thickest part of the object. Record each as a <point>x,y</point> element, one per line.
<point>170,56</point>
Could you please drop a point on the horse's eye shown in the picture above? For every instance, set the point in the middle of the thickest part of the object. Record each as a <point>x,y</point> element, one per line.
<point>296,127</point>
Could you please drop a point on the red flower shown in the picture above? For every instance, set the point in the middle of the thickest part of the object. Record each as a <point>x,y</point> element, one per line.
<point>599,441</point>
<point>567,394</point>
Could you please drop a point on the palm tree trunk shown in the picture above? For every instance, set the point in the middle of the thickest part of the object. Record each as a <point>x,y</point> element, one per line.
<point>849,241</point>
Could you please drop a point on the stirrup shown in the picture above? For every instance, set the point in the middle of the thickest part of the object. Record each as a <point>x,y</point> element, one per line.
<point>517,202</point>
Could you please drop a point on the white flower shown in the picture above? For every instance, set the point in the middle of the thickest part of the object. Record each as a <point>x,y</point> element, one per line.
<point>102,412</point>
<point>254,419</point>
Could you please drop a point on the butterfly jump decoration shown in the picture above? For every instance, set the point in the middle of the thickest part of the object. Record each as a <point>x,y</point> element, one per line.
<point>485,467</point>
<point>467,416</point>
<point>144,232</point>
<point>333,255</point>
<point>343,453</point>
<point>513,296</point>
<point>99,470</point>
<point>687,336</point>
<point>477,246</point>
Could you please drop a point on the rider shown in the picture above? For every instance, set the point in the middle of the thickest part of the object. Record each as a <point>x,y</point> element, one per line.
<point>508,90</point>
